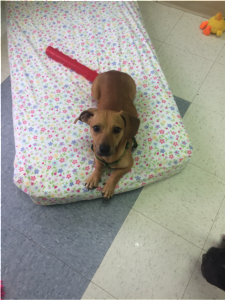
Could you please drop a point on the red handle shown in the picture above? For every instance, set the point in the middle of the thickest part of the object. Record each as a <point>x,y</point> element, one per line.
<point>71,63</point>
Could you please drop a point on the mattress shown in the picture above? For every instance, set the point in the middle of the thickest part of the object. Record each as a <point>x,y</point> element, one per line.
<point>53,155</point>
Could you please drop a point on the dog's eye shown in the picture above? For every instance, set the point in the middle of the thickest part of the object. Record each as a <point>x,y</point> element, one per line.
<point>96,128</point>
<point>116,130</point>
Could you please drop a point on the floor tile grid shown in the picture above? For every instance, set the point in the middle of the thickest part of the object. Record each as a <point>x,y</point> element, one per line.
<point>188,282</point>
<point>32,241</point>
<point>194,161</point>
<point>206,77</point>
<point>137,211</point>
<point>197,258</point>
<point>204,169</point>
<point>219,113</point>
<point>166,43</point>
<point>203,251</point>
<point>223,202</point>
<point>211,93</point>
<point>214,60</point>
<point>202,248</point>
<point>116,296</point>
<point>144,23</point>
<point>163,43</point>
<point>221,55</point>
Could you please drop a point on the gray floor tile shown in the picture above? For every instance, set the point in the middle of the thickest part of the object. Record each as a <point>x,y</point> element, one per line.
<point>30,272</point>
<point>18,209</point>
<point>80,233</point>
<point>4,75</point>
<point>182,105</point>
<point>128,198</point>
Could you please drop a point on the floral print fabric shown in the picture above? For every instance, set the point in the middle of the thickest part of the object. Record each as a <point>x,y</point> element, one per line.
<point>53,155</point>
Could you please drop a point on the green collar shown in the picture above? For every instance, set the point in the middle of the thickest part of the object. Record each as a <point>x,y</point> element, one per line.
<point>117,161</point>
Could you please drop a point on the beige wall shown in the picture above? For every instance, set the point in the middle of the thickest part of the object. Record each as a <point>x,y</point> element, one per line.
<point>205,9</point>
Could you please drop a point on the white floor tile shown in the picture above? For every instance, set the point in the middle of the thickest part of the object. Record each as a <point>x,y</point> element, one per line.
<point>188,36</point>
<point>221,57</point>
<point>186,204</point>
<point>199,288</point>
<point>3,11</point>
<point>156,44</point>
<point>3,28</point>
<point>4,54</point>
<point>5,63</point>
<point>159,19</point>
<point>4,42</point>
<point>207,133</point>
<point>4,75</point>
<point>146,261</point>
<point>95,292</point>
<point>218,229</point>
<point>211,95</point>
<point>184,71</point>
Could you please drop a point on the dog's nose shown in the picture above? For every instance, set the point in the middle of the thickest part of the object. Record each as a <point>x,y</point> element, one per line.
<point>104,149</point>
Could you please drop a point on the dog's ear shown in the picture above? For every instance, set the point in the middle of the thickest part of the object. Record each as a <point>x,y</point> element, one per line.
<point>86,115</point>
<point>131,125</point>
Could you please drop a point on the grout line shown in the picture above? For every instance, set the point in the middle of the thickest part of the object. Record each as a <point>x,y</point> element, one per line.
<point>203,250</point>
<point>219,52</point>
<point>167,228</point>
<point>6,75</point>
<point>191,274</point>
<point>100,288</point>
<point>173,26</point>
<point>186,110</point>
<point>132,208</point>
<point>202,82</point>
<point>32,241</point>
<point>185,11</point>
<point>189,52</point>
<point>216,112</point>
<point>213,222</point>
<point>154,39</point>
<point>219,63</point>
<point>157,54</point>
<point>207,171</point>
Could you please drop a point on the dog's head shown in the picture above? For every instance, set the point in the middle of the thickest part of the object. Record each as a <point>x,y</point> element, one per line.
<point>109,128</point>
<point>213,266</point>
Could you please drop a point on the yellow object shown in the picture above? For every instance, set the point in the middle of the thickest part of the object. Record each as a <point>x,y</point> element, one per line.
<point>215,25</point>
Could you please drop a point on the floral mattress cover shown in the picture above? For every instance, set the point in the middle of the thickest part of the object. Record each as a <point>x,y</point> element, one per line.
<point>53,155</point>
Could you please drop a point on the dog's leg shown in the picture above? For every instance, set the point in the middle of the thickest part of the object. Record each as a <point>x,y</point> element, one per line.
<point>93,180</point>
<point>111,183</point>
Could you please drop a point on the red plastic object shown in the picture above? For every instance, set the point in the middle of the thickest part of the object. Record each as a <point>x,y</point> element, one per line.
<point>71,63</point>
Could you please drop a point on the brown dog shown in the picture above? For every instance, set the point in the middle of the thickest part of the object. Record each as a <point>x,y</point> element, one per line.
<point>113,125</point>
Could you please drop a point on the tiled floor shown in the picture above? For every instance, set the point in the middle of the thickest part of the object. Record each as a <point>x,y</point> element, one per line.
<point>156,252</point>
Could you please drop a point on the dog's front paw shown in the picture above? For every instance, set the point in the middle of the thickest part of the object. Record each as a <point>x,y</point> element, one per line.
<point>92,181</point>
<point>108,190</point>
